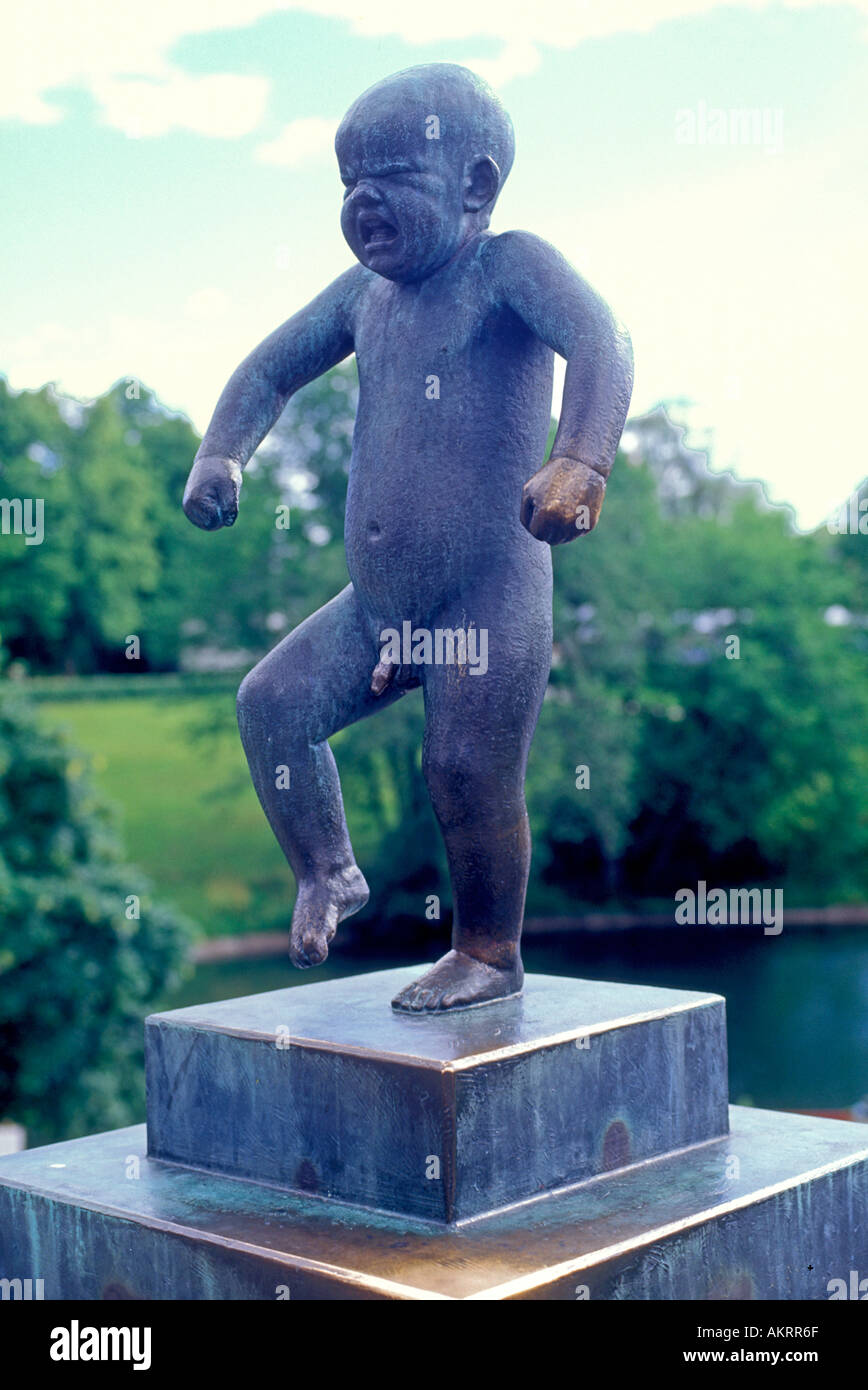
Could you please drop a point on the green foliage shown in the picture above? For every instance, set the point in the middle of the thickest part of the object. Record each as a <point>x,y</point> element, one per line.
<point>34,579</point>
<point>738,770</point>
<point>76,972</point>
<point>761,771</point>
<point>120,558</point>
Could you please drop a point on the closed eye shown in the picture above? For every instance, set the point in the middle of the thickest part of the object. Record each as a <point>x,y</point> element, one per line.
<point>375,174</point>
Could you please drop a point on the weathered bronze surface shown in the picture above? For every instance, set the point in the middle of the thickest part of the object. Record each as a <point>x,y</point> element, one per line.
<point>323,1089</point>
<point>773,1211</point>
<point>449,517</point>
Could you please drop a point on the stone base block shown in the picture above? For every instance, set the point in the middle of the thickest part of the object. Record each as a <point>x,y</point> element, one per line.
<point>776,1209</point>
<point>324,1089</point>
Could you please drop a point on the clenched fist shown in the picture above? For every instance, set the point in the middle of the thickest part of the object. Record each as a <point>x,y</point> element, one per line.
<point>211,494</point>
<point>562,501</point>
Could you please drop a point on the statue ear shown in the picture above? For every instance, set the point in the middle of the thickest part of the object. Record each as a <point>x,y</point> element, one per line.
<point>481,182</point>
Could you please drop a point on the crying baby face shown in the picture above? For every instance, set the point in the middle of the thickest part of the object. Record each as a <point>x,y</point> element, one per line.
<point>402,214</point>
<point>422,160</point>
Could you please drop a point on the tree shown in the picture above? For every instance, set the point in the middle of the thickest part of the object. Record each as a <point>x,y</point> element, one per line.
<point>35,578</point>
<point>84,949</point>
<point>69,601</point>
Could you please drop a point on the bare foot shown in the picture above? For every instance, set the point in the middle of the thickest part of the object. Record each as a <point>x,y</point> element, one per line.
<point>322,903</point>
<point>459,981</point>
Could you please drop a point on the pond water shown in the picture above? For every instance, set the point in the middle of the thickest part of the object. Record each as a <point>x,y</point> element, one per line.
<point>797,1003</point>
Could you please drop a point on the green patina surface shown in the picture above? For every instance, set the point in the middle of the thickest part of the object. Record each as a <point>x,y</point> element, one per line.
<point>775,1210</point>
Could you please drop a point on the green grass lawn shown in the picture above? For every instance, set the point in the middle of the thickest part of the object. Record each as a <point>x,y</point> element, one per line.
<point>189,817</point>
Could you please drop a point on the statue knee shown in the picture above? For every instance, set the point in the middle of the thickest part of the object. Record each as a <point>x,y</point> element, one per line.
<point>465,783</point>
<point>254,696</point>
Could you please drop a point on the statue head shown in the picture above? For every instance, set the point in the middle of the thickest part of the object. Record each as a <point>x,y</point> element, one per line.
<point>423,156</point>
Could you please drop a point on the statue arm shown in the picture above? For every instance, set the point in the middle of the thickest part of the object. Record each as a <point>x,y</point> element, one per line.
<point>313,340</point>
<point>556,304</point>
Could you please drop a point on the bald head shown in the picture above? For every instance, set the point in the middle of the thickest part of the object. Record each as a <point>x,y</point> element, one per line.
<point>423,156</point>
<point>438,102</point>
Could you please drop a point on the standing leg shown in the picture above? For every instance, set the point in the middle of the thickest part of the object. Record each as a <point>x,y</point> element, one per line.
<point>477,738</point>
<point>315,682</point>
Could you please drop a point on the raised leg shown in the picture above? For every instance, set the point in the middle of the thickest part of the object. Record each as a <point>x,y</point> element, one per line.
<point>315,682</point>
<point>478,734</point>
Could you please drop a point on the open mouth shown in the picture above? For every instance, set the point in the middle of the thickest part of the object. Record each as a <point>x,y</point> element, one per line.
<point>375,231</point>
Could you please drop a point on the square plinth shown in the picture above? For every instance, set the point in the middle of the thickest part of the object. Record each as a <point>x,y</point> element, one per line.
<point>324,1089</point>
<point>776,1210</point>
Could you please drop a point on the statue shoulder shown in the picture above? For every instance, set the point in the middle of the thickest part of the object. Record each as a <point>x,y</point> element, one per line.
<point>514,253</point>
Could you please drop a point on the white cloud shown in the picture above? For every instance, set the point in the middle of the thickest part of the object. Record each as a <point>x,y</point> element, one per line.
<point>219,105</point>
<point>119,53</point>
<point>514,60</point>
<point>300,142</point>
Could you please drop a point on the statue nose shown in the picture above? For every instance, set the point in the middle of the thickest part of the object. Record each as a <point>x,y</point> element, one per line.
<point>367,194</point>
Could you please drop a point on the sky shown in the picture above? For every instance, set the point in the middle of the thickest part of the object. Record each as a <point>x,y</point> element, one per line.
<point>170,194</point>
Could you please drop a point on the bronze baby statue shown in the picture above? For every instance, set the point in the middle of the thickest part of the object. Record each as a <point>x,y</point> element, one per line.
<point>449,517</point>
